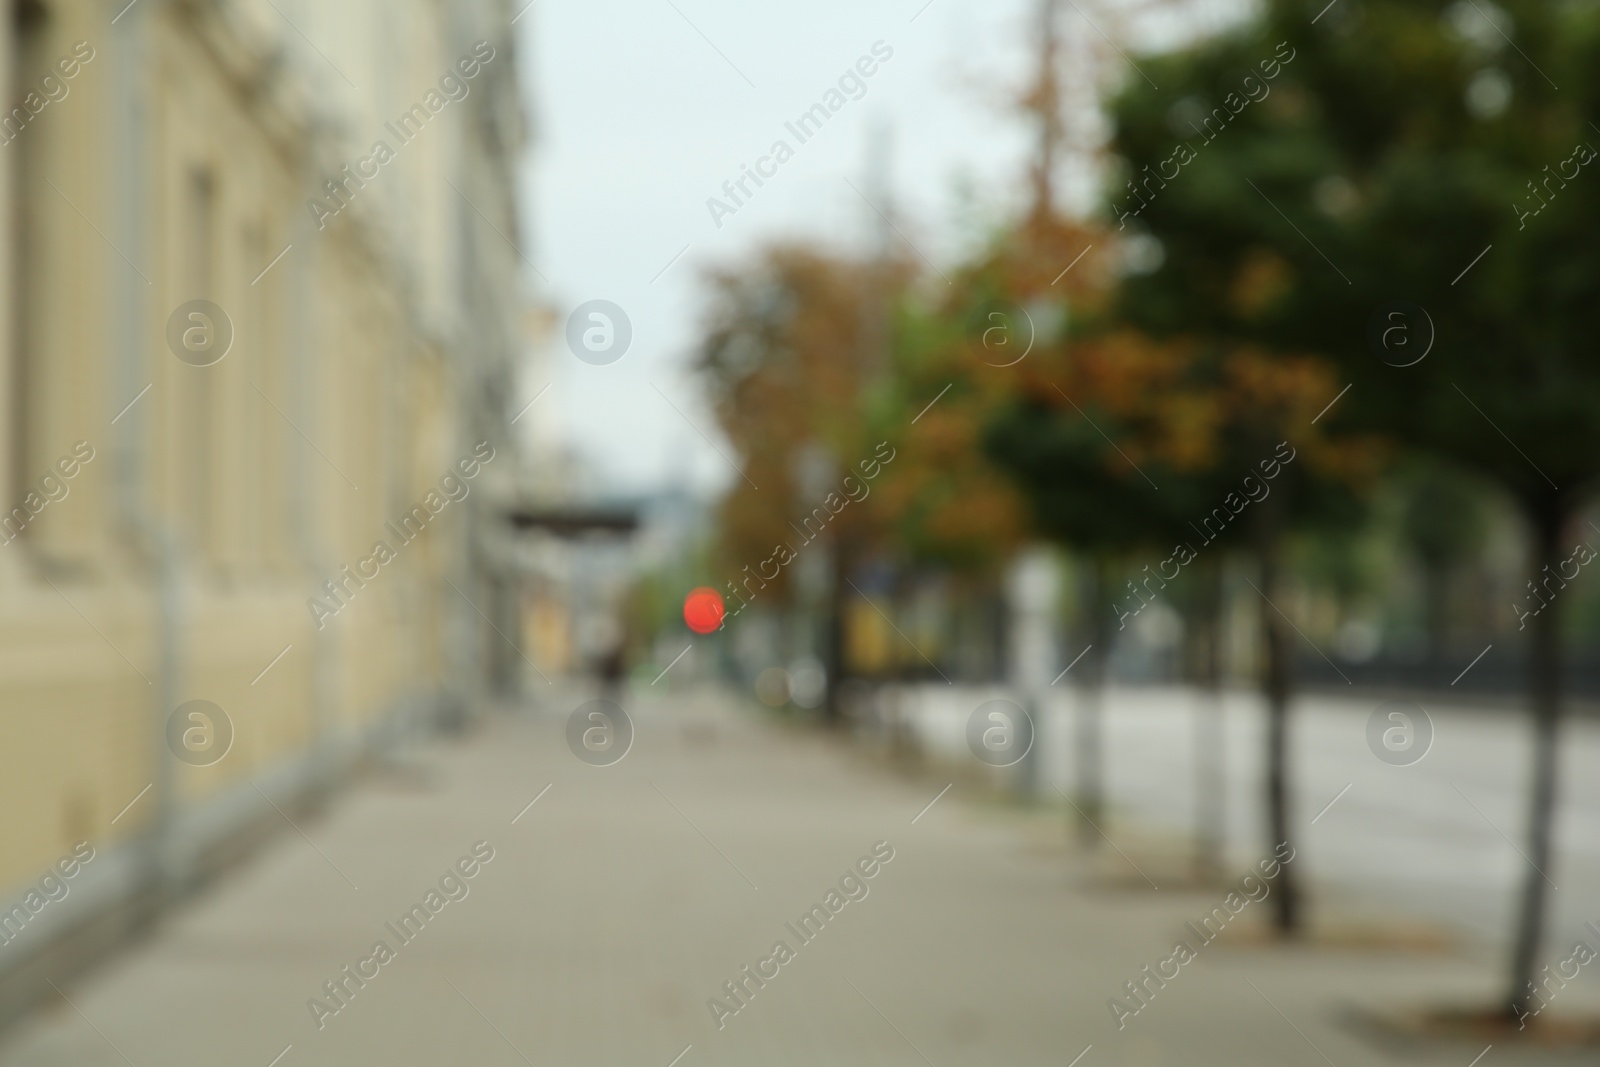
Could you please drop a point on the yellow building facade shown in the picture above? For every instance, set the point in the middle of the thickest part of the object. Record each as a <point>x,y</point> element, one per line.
<point>259,297</point>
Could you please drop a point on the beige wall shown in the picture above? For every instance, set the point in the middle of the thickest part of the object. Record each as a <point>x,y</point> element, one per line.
<point>335,338</point>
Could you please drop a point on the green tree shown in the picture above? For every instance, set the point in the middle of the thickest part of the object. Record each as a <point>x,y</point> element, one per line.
<point>1057,439</point>
<point>1403,150</point>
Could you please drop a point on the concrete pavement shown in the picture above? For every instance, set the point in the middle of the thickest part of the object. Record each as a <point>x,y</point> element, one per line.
<point>617,905</point>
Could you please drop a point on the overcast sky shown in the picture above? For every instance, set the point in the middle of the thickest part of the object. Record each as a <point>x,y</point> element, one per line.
<point>642,109</point>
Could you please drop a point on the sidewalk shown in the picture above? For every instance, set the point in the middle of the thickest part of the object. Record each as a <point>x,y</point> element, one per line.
<point>619,903</point>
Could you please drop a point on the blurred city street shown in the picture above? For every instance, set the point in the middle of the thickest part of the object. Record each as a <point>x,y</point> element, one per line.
<point>1004,532</point>
<point>620,902</point>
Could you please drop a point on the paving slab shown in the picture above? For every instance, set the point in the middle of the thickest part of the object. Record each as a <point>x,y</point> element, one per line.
<point>603,925</point>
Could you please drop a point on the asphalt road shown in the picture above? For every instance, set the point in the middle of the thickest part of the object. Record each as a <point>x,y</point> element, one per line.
<point>1440,841</point>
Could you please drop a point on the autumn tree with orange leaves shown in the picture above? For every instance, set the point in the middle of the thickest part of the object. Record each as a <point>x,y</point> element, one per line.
<point>791,345</point>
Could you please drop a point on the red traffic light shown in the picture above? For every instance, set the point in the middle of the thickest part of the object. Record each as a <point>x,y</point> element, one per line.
<point>703,610</point>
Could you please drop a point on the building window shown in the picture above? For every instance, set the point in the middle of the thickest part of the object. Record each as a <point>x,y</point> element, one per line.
<point>23,148</point>
<point>196,429</point>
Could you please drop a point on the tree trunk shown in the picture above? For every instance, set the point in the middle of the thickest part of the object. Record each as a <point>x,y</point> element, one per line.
<point>1210,777</point>
<point>1091,696</point>
<point>1276,682</point>
<point>1436,608</point>
<point>1545,687</point>
<point>833,637</point>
